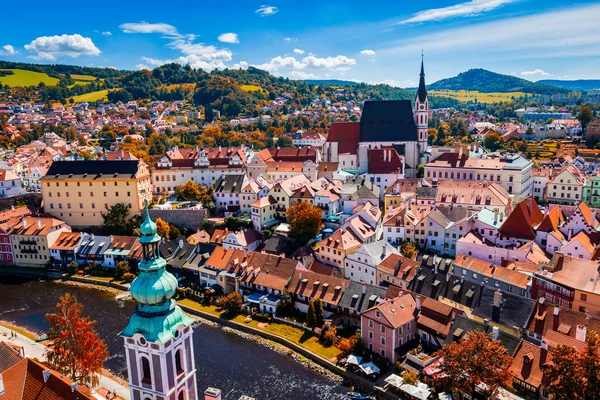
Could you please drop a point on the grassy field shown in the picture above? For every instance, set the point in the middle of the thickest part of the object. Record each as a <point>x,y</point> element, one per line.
<point>472,95</point>
<point>91,97</point>
<point>23,77</point>
<point>251,88</point>
<point>291,333</point>
<point>89,78</point>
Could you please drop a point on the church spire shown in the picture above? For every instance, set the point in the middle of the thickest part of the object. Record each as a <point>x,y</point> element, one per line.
<point>422,91</point>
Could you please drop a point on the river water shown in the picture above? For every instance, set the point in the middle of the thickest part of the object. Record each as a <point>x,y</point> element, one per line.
<point>235,365</point>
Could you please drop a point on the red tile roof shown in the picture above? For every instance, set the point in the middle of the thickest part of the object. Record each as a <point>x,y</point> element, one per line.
<point>313,285</point>
<point>347,134</point>
<point>522,220</point>
<point>384,161</point>
<point>528,363</point>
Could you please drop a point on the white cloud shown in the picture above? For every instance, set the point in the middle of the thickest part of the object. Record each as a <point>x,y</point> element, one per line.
<point>535,72</point>
<point>267,11</point>
<point>338,63</point>
<point>192,60</point>
<point>142,66</point>
<point>467,9</point>
<point>395,83</point>
<point>368,52</point>
<point>240,65</point>
<point>107,33</point>
<point>145,27</point>
<point>8,50</point>
<point>329,62</point>
<point>50,47</point>
<point>298,51</point>
<point>554,38</point>
<point>229,38</point>
<point>289,39</point>
<point>302,75</point>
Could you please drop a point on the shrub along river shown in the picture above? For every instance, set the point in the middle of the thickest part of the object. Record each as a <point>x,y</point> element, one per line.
<point>235,365</point>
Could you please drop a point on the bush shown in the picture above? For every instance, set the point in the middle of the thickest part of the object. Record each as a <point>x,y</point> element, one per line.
<point>328,335</point>
<point>232,303</point>
<point>72,267</point>
<point>121,269</point>
<point>128,277</point>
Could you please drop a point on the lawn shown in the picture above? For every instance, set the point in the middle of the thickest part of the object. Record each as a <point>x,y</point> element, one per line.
<point>23,77</point>
<point>251,88</point>
<point>472,95</point>
<point>291,333</point>
<point>89,78</point>
<point>91,97</point>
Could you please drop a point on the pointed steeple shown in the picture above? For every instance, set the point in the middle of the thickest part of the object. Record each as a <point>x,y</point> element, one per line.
<point>422,91</point>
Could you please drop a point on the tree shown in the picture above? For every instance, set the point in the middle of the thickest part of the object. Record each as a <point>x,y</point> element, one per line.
<point>121,269</point>
<point>314,316</point>
<point>86,155</point>
<point>190,190</point>
<point>493,141</point>
<point>475,360</point>
<point>115,220</point>
<point>232,303</point>
<point>306,221</point>
<point>410,377</point>
<point>162,228</point>
<point>575,374</point>
<point>286,305</point>
<point>77,350</point>
<point>409,250</point>
<point>585,116</point>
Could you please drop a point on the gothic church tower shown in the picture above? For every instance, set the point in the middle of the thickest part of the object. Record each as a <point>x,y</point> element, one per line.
<point>158,338</point>
<point>422,112</point>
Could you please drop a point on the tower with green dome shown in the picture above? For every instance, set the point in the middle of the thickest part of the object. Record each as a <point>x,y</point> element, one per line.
<point>158,338</point>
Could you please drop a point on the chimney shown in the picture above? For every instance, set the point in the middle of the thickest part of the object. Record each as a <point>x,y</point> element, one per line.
<point>364,288</point>
<point>212,394</point>
<point>496,212</point>
<point>435,259</point>
<point>495,333</point>
<point>418,298</point>
<point>38,224</point>
<point>122,154</point>
<point>556,311</point>
<point>390,209</point>
<point>497,299</point>
<point>24,223</point>
<point>383,251</point>
<point>544,345</point>
<point>541,300</point>
<point>581,333</point>
<point>12,208</point>
<point>74,387</point>
<point>180,243</point>
<point>570,233</point>
<point>486,322</point>
<point>46,375</point>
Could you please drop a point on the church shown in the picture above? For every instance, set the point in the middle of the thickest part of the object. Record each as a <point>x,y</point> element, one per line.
<point>392,124</point>
<point>158,338</point>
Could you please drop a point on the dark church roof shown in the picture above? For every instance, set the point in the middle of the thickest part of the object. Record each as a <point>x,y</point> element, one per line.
<point>388,121</point>
<point>98,169</point>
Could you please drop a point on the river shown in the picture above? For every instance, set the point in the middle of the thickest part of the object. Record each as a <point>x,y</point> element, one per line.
<point>235,365</point>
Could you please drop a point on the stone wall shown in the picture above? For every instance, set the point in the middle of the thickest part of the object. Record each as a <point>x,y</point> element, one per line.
<point>190,219</point>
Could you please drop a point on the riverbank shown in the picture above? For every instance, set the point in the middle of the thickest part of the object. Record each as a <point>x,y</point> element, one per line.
<point>37,351</point>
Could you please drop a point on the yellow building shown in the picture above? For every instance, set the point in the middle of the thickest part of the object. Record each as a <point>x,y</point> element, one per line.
<point>78,192</point>
<point>32,237</point>
<point>264,213</point>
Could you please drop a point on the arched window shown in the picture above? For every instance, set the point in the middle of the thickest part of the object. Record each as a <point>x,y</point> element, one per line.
<point>146,374</point>
<point>179,362</point>
<point>182,395</point>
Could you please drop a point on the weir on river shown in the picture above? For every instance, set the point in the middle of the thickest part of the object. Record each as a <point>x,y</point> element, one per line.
<point>235,365</point>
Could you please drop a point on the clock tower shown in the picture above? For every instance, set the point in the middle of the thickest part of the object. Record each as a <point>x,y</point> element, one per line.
<point>158,338</point>
<point>422,112</point>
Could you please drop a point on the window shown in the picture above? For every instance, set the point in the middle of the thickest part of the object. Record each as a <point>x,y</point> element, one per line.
<point>383,340</point>
<point>382,329</point>
<point>583,297</point>
<point>179,362</point>
<point>371,323</point>
<point>146,375</point>
<point>370,335</point>
<point>382,353</point>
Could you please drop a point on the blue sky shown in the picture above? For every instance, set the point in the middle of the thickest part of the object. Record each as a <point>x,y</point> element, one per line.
<point>374,41</point>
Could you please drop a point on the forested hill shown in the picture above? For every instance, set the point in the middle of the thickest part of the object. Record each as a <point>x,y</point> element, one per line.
<point>487,81</point>
<point>579,84</point>
<point>330,82</point>
<point>232,92</point>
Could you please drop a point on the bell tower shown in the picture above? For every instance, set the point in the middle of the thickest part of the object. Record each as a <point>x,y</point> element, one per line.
<point>422,112</point>
<point>158,338</point>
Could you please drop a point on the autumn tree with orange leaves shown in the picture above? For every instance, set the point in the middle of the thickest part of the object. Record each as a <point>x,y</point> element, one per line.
<point>573,374</point>
<point>475,360</point>
<point>306,221</point>
<point>77,351</point>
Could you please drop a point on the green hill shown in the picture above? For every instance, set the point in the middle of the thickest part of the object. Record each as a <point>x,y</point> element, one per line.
<point>487,81</point>
<point>579,84</point>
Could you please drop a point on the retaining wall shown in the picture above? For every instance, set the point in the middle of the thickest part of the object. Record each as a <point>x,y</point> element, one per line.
<point>190,219</point>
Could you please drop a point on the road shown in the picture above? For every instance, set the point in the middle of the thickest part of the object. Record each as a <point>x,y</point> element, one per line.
<point>37,350</point>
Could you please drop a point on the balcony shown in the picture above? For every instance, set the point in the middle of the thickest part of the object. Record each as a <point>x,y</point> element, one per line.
<point>28,242</point>
<point>29,251</point>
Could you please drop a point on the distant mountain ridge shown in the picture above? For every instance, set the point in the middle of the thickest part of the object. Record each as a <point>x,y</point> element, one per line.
<point>330,82</point>
<point>578,84</point>
<point>488,81</point>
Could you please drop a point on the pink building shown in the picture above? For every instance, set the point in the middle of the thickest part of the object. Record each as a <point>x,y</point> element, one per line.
<point>389,325</point>
<point>6,253</point>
